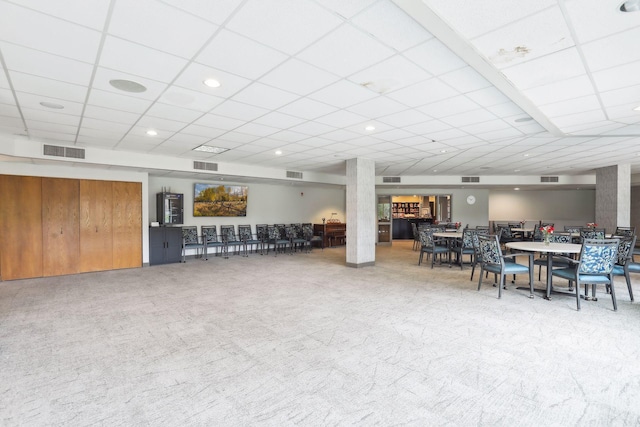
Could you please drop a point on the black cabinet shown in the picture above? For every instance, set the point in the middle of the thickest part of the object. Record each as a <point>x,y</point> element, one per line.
<point>170,208</point>
<point>165,245</point>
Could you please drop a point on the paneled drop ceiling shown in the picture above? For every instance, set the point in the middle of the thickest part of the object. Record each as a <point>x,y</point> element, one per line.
<point>431,87</point>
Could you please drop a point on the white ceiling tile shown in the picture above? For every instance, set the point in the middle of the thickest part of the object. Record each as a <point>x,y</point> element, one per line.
<point>340,135</point>
<point>28,100</point>
<point>279,120</point>
<point>195,74</point>
<point>343,94</point>
<point>500,134</point>
<point>629,94</point>
<point>34,125</point>
<point>132,58</point>
<point>191,99</point>
<point>484,127</point>
<point>341,119</point>
<point>583,103</point>
<point>561,90</point>
<point>7,110</point>
<point>163,126</point>
<point>51,135</point>
<point>117,101</point>
<point>426,128</point>
<point>389,75</point>
<point>568,120</point>
<point>546,69</point>
<point>239,111</point>
<point>87,13</point>
<point>45,65</point>
<point>422,93</point>
<point>264,96</point>
<point>393,134</point>
<point>272,22</point>
<point>216,11</point>
<point>298,77</point>
<point>257,129</point>
<point>104,125</point>
<point>389,24</point>
<point>465,80</point>
<point>171,112</point>
<point>617,77</point>
<point>312,128</point>
<point>47,87</point>
<point>307,109</point>
<point>201,131</point>
<point>617,49</point>
<point>234,136</point>
<point>256,59</point>
<point>24,27</point>
<point>345,51</point>
<point>506,109</point>
<point>218,122</point>
<point>404,118</point>
<point>170,30</point>
<point>377,107</point>
<point>110,114</point>
<point>535,36</point>
<point>594,19</point>
<point>481,17</point>
<point>488,97</point>
<point>448,107</point>
<point>51,116</point>
<point>288,136</point>
<point>346,9</point>
<point>435,57</point>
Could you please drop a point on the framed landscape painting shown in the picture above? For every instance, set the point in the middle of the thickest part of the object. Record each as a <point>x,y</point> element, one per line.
<point>219,200</point>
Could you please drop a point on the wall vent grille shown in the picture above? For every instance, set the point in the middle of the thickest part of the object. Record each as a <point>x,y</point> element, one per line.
<point>295,175</point>
<point>391,179</point>
<point>548,179</point>
<point>58,151</point>
<point>205,166</point>
<point>470,179</point>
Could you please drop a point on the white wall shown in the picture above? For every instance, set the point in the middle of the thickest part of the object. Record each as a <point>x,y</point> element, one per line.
<point>561,207</point>
<point>266,203</point>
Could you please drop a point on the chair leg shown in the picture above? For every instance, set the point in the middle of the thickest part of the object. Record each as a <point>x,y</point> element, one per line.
<point>500,285</point>
<point>480,279</point>
<point>613,296</point>
<point>628,279</point>
<point>578,295</point>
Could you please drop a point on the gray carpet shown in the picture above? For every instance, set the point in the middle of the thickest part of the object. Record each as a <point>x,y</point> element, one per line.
<point>304,340</point>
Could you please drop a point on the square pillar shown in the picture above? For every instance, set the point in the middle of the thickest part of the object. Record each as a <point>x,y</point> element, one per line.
<point>361,213</point>
<point>613,197</point>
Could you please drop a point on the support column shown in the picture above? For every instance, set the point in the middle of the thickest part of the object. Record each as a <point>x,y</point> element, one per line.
<point>613,197</point>
<point>361,213</point>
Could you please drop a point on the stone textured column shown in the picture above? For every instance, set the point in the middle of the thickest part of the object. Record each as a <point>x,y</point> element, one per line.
<point>361,213</point>
<point>613,197</point>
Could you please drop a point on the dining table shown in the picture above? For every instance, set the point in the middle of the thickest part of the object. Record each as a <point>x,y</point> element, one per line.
<point>549,249</point>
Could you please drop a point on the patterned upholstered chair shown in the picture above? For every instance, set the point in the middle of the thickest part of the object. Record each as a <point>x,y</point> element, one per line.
<point>594,267</point>
<point>229,239</point>
<point>625,259</point>
<point>464,247</point>
<point>210,238</point>
<point>275,239</point>
<point>477,255</point>
<point>493,261</point>
<point>191,240</point>
<point>297,238</point>
<point>262,234</point>
<point>625,231</point>
<point>592,233</point>
<point>311,237</point>
<point>430,247</point>
<point>248,239</point>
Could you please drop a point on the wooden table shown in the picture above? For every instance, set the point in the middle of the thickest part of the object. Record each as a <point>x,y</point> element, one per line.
<point>549,249</point>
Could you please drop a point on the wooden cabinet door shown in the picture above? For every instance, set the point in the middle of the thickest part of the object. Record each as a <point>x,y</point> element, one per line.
<point>20,227</point>
<point>96,225</point>
<point>127,224</point>
<point>60,226</point>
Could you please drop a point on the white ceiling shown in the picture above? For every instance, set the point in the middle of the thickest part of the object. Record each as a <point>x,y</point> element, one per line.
<point>443,82</point>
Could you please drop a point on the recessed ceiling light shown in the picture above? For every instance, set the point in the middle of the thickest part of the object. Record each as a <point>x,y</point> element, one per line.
<point>152,132</point>
<point>435,170</point>
<point>278,152</point>
<point>127,85</point>
<point>517,188</point>
<point>526,155</point>
<point>370,128</point>
<point>211,149</point>
<point>443,151</point>
<point>637,108</point>
<point>52,105</point>
<point>516,170</point>
<point>523,119</point>
<point>630,6</point>
<point>212,83</point>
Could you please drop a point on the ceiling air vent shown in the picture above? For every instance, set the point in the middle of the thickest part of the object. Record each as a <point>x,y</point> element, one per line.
<point>295,175</point>
<point>53,150</point>
<point>205,166</point>
<point>548,179</point>
<point>391,179</point>
<point>58,151</point>
<point>470,179</point>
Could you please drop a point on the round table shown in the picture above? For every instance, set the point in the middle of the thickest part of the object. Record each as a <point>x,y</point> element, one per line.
<point>549,249</point>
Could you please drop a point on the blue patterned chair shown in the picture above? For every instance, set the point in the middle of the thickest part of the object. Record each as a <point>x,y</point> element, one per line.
<point>210,238</point>
<point>625,259</point>
<point>477,255</point>
<point>594,267</point>
<point>311,237</point>
<point>262,235</point>
<point>278,241</point>
<point>493,261</point>
<point>557,261</point>
<point>229,239</point>
<point>464,247</point>
<point>191,240</point>
<point>430,247</point>
<point>297,238</point>
<point>248,239</point>
<point>592,233</point>
<point>625,231</point>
